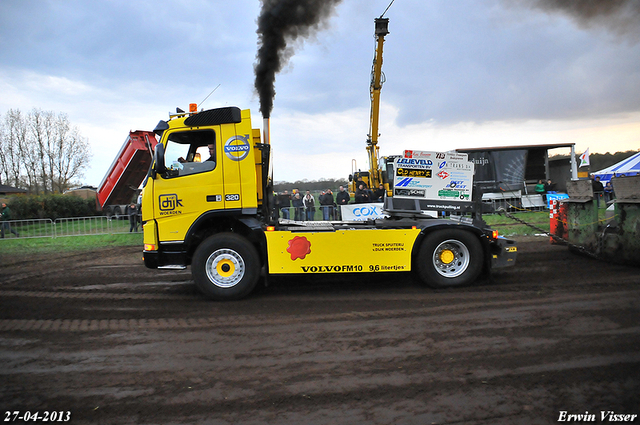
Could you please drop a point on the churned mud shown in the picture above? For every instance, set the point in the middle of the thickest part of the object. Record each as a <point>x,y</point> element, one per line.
<point>100,336</point>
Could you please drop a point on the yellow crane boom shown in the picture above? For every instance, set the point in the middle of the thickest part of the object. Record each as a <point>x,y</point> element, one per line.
<point>377,79</point>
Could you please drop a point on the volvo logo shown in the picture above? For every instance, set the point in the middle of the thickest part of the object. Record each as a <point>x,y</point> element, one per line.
<point>237,147</point>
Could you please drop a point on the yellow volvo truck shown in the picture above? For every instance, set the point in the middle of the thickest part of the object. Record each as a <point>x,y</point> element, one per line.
<point>206,203</point>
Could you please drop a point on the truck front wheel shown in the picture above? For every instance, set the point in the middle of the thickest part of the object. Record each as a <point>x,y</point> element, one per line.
<point>449,257</point>
<point>226,267</point>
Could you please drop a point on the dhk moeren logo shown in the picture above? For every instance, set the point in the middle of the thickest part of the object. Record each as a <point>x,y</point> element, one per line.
<point>169,202</point>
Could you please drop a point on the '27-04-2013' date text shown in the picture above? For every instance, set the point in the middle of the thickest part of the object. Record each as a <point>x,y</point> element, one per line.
<point>46,416</point>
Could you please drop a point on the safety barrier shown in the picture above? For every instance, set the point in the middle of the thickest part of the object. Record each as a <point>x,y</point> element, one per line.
<point>320,212</point>
<point>36,228</point>
<point>514,204</point>
<point>62,227</point>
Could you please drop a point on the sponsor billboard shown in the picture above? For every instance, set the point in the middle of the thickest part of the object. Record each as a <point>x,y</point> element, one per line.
<point>435,176</point>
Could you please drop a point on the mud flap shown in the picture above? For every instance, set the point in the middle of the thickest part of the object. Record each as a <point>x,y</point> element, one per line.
<point>503,253</point>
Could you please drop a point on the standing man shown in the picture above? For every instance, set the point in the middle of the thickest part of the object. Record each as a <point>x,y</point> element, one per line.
<point>378,195</point>
<point>598,189</point>
<point>285,204</point>
<point>332,204</point>
<point>362,194</point>
<point>5,217</point>
<point>342,198</point>
<point>310,205</point>
<point>326,204</point>
<point>298,206</point>
<point>133,217</point>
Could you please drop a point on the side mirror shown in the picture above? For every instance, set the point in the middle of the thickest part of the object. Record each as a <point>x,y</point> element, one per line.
<point>158,159</point>
<point>350,177</point>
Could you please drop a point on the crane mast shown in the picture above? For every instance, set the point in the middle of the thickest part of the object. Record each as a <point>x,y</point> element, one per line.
<point>377,79</point>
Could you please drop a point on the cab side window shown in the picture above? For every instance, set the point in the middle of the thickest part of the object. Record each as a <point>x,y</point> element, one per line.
<point>190,152</point>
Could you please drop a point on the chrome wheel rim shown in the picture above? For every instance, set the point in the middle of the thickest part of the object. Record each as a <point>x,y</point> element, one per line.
<point>451,258</point>
<point>225,268</point>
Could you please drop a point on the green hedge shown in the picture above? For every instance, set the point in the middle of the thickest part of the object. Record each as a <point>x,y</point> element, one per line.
<point>51,206</point>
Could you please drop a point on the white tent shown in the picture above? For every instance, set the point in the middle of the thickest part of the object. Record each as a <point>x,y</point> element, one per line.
<point>627,167</point>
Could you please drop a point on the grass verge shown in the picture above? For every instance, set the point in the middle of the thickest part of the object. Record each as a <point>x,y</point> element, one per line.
<point>504,225</point>
<point>509,227</point>
<point>11,246</point>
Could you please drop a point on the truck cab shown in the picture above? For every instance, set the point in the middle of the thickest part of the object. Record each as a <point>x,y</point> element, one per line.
<point>204,177</point>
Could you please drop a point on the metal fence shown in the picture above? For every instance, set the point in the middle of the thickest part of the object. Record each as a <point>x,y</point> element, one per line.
<point>317,213</point>
<point>75,226</point>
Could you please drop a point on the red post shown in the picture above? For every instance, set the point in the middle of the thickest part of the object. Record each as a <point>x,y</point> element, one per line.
<point>553,220</point>
<point>558,221</point>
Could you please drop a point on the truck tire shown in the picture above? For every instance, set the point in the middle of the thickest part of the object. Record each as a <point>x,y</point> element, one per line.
<point>449,257</point>
<point>226,267</point>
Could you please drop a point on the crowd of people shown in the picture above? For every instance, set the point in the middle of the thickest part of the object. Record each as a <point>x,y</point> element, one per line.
<point>296,206</point>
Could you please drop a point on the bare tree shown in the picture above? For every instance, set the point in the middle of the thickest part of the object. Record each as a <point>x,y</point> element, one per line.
<point>4,165</point>
<point>36,155</point>
<point>41,152</point>
<point>70,155</point>
<point>14,140</point>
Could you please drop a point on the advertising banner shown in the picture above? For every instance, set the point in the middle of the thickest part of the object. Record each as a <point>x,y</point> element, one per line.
<point>435,176</point>
<point>362,212</point>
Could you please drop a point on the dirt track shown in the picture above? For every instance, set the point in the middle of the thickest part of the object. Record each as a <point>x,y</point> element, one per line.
<point>100,336</point>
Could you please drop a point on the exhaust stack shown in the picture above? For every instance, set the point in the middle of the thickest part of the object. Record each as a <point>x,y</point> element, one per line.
<point>266,131</point>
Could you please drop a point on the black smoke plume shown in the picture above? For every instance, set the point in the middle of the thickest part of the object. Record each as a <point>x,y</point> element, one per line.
<point>621,17</point>
<point>280,24</point>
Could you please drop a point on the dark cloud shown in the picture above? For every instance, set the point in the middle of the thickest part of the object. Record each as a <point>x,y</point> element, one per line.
<point>483,62</point>
<point>621,17</point>
<point>445,62</point>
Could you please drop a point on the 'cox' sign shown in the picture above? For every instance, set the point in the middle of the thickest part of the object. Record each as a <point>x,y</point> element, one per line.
<point>361,212</point>
<point>367,211</point>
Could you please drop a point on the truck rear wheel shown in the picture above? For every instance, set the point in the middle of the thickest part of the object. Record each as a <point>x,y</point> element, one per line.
<point>449,257</point>
<point>226,267</point>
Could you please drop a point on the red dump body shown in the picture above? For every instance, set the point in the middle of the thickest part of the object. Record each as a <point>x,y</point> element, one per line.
<point>128,169</point>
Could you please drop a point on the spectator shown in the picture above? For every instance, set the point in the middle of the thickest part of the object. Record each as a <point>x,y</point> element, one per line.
<point>549,187</point>
<point>540,188</point>
<point>326,204</point>
<point>608,192</point>
<point>5,217</point>
<point>309,205</point>
<point>285,203</point>
<point>362,194</point>
<point>321,202</point>
<point>133,217</point>
<point>598,189</point>
<point>342,198</point>
<point>332,202</point>
<point>378,195</point>
<point>298,206</point>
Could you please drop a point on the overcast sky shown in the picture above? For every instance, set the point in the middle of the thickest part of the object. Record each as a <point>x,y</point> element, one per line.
<point>459,74</point>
